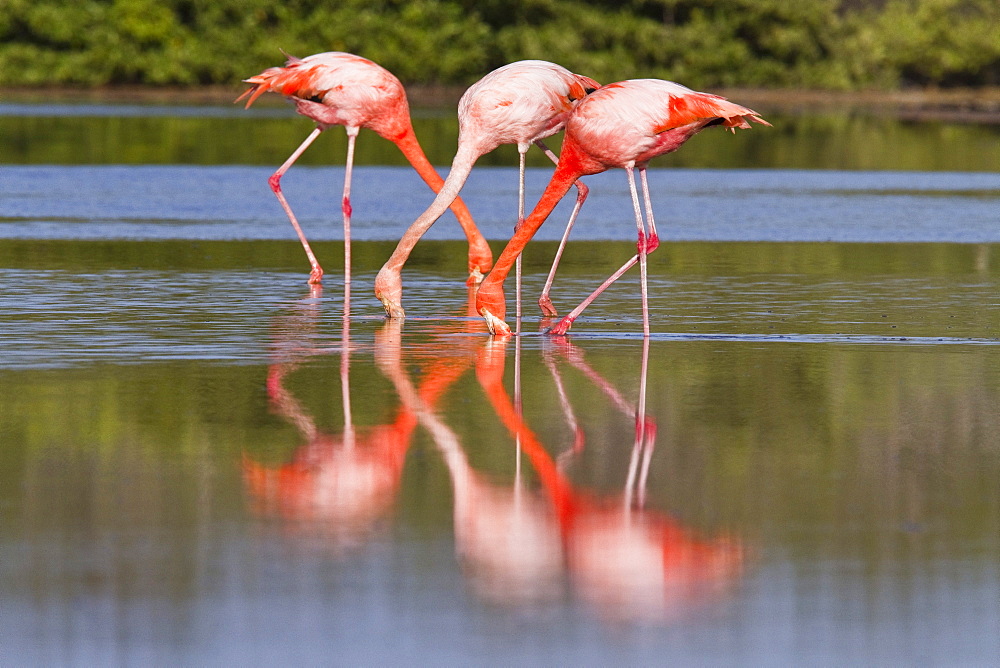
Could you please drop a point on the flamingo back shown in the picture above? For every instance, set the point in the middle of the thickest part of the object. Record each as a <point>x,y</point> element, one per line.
<point>633,121</point>
<point>520,103</point>
<point>335,88</point>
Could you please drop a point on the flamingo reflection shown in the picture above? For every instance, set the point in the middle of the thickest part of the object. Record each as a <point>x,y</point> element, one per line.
<point>338,485</point>
<point>506,537</point>
<point>517,546</point>
<point>629,563</point>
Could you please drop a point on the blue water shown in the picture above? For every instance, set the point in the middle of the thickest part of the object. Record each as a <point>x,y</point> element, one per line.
<point>822,376</point>
<point>234,202</point>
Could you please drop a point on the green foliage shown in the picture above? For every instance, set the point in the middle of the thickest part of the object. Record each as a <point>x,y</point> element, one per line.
<point>941,41</point>
<point>771,43</point>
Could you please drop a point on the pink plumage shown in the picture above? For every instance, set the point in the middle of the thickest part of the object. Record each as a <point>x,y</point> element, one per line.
<point>520,103</point>
<point>624,124</point>
<point>337,88</point>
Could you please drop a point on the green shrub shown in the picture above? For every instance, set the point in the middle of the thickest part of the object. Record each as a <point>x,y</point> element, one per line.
<point>839,44</point>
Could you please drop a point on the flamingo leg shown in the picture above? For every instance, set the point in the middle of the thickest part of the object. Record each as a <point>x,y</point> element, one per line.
<point>648,242</point>
<point>643,246</point>
<point>653,241</point>
<point>521,150</point>
<point>352,134</point>
<point>544,302</point>
<point>316,275</point>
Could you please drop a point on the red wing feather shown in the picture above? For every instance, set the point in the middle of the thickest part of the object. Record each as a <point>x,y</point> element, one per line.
<point>686,109</point>
<point>293,81</point>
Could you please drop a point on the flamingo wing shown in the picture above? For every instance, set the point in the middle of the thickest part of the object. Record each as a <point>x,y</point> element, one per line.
<point>317,77</point>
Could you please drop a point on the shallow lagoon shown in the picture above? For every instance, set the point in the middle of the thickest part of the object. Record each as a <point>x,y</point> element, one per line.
<point>202,460</point>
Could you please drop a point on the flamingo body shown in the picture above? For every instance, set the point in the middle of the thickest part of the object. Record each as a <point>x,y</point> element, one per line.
<point>520,103</point>
<point>632,122</point>
<point>624,124</point>
<point>337,88</point>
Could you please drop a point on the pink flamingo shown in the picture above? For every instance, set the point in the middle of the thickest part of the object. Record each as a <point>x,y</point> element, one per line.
<point>520,103</point>
<point>624,124</point>
<point>344,89</point>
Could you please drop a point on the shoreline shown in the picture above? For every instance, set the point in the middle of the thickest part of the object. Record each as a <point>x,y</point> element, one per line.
<point>960,105</point>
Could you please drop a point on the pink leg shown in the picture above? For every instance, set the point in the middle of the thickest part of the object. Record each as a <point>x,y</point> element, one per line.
<point>521,150</point>
<point>653,241</point>
<point>647,242</point>
<point>352,133</point>
<point>643,246</point>
<point>544,302</point>
<point>316,275</point>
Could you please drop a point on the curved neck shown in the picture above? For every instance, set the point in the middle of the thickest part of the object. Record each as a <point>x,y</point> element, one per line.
<point>414,153</point>
<point>411,149</point>
<point>461,166</point>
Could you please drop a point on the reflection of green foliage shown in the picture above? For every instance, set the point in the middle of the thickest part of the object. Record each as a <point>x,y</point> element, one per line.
<point>816,43</point>
<point>755,436</point>
<point>794,441</point>
<point>827,141</point>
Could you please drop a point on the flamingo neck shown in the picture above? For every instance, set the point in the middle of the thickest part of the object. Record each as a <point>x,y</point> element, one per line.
<point>414,153</point>
<point>461,166</point>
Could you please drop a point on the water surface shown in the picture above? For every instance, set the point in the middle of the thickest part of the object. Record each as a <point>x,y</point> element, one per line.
<point>204,461</point>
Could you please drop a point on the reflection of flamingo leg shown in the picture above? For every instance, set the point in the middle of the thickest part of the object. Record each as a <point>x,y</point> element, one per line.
<point>568,413</point>
<point>345,372</point>
<point>645,427</point>
<point>642,450</point>
<point>283,400</point>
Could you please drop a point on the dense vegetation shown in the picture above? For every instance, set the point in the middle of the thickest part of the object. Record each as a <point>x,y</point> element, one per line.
<point>836,44</point>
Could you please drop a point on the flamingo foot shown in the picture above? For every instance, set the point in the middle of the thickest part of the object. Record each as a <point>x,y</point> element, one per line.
<point>316,275</point>
<point>545,304</point>
<point>496,326</point>
<point>561,327</point>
